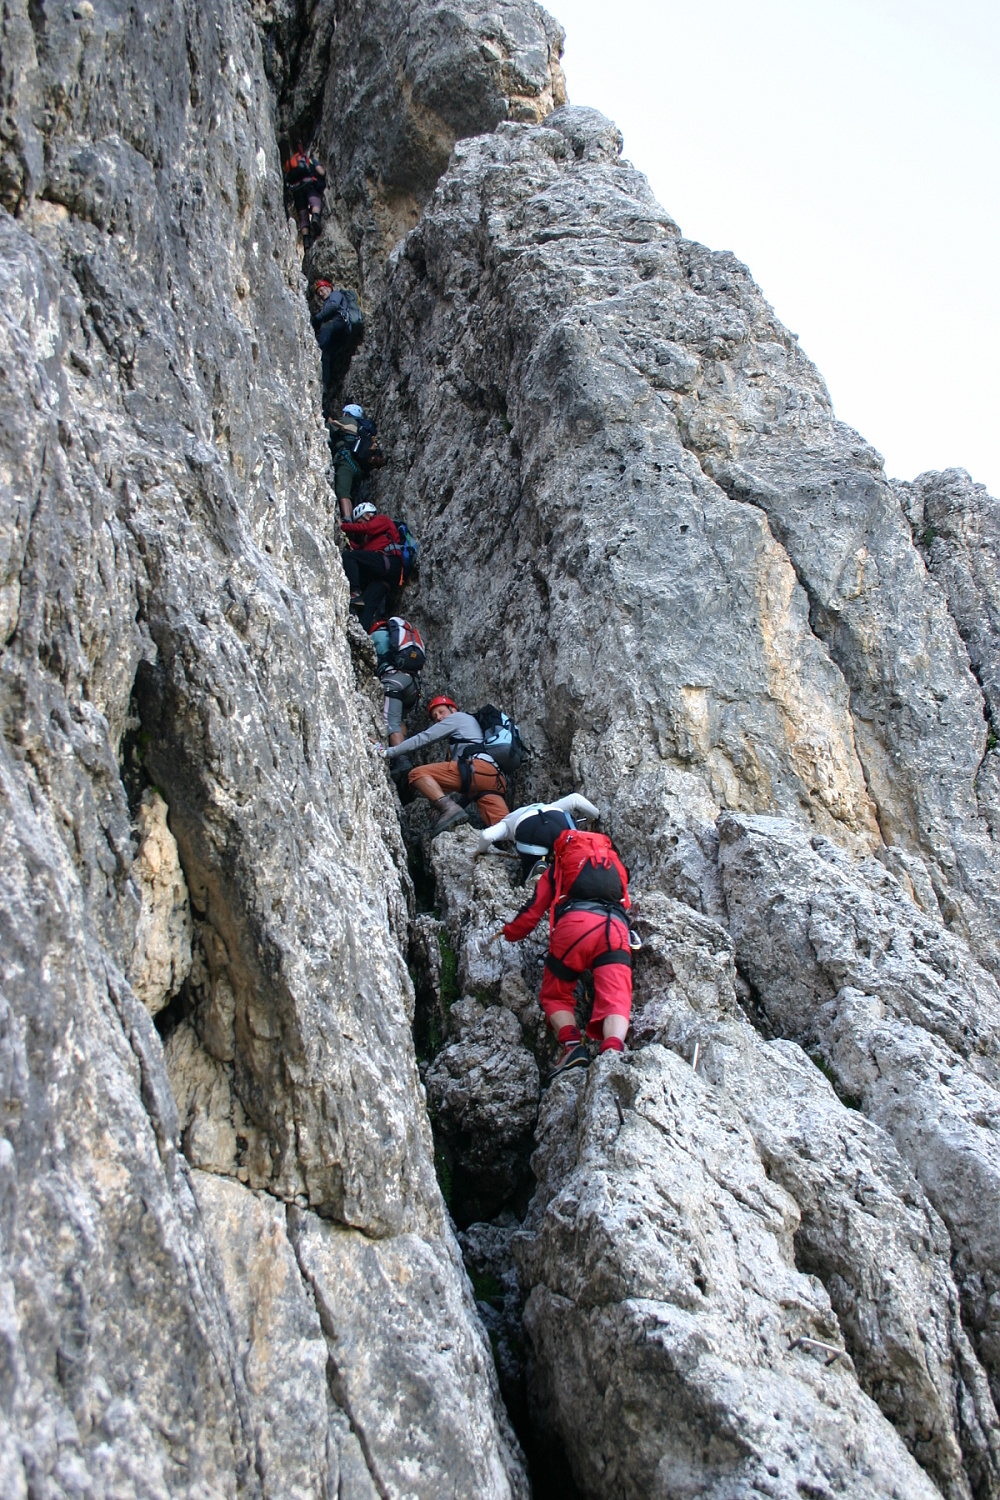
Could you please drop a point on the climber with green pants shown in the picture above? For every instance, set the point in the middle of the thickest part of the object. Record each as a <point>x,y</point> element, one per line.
<point>355,451</point>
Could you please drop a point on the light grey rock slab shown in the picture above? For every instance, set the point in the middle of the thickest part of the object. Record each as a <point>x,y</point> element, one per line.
<point>477,898</point>
<point>277,1330</point>
<point>867,1230</point>
<point>412,1367</point>
<point>167,554</point>
<point>161,959</point>
<point>896,1008</point>
<point>956,526</point>
<point>917,708</point>
<point>713,587</point>
<point>646,629</point>
<point>665,1305</point>
<point>122,1373</point>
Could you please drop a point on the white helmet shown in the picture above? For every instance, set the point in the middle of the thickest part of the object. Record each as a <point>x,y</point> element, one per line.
<point>357,412</point>
<point>363,511</point>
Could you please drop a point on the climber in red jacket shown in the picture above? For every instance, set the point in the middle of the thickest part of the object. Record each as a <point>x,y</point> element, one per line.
<point>584,887</point>
<point>372,564</point>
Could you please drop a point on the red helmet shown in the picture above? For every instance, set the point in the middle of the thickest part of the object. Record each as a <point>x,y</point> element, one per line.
<point>442,701</point>
<point>322,286</point>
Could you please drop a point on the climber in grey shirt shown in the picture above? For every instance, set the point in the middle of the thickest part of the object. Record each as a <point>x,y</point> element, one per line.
<point>478,776</point>
<point>461,729</point>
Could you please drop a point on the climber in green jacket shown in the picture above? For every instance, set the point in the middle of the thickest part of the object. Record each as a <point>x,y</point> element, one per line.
<point>355,451</point>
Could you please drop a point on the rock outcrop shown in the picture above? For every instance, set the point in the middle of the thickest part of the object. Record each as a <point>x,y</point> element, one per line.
<point>676,1204</point>
<point>700,596</point>
<point>756,1254</point>
<point>161,957</point>
<point>173,608</point>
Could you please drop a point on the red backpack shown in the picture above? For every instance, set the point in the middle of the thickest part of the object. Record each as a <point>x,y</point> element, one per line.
<point>406,644</point>
<point>587,868</point>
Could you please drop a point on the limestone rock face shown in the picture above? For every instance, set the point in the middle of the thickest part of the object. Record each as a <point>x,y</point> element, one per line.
<point>483,1090</point>
<point>712,592</point>
<point>387,89</point>
<point>662,1275</point>
<point>283,1350</point>
<point>122,1366</point>
<point>173,616</point>
<point>897,1010</point>
<point>864,1233</point>
<point>411,1366</point>
<point>704,602</point>
<point>956,525</point>
<point>226,1263</point>
<point>161,959</point>
<point>867,1230</point>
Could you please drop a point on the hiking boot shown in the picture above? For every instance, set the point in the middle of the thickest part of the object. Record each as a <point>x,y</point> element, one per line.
<point>574,1057</point>
<point>448,814</point>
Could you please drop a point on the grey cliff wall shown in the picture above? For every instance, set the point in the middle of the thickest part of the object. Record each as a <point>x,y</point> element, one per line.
<point>227,1264</point>
<point>173,611</point>
<point>702,599</point>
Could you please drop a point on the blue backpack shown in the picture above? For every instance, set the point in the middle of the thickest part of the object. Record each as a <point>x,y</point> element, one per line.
<point>501,738</point>
<point>407,549</point>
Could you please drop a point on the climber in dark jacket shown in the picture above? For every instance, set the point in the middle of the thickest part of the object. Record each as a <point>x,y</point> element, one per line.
<point>401,685</point>
<point>305,184</point>
<point>339,328</point>
<point>475,774</point>
<point>373,562</point>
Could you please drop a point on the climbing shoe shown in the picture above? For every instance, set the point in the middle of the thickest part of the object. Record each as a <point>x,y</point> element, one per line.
<point>448,815</point>
<point>575,1057</point>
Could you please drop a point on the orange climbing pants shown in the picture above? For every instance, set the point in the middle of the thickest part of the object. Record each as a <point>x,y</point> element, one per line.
<point>486,787</point>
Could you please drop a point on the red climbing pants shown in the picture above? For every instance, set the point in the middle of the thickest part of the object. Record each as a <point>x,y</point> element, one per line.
<point>586,940</point>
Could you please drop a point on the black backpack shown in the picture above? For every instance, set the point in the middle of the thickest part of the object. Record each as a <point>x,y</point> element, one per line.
<point>343,326</point>
<point>365,444</point>
<point>535,836</point>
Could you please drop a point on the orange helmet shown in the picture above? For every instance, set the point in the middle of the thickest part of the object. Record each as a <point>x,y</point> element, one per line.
<point>442,701</point>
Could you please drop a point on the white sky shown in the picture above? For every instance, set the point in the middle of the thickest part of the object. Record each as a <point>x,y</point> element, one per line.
<point>848,151</point>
